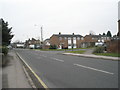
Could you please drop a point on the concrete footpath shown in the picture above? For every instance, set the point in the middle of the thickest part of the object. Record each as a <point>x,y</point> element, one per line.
<point>13,75</point>
<point>93,56</point>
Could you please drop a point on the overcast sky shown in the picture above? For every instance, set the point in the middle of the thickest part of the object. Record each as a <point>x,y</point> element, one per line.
<point>65,16</point>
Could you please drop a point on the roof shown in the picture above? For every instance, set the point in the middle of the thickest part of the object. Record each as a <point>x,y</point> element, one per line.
<point>96,36</point>
<point>67,35</point>
<point>47,39</point>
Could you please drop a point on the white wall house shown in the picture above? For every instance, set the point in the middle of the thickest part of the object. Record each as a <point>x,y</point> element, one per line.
<point>74,42</point>
<point>69,42</point>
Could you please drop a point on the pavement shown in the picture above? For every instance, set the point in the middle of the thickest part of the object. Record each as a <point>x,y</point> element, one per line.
<point>68,71</point>
<point>93,56</point>
<point>13,75</point>
<point>88,54</point>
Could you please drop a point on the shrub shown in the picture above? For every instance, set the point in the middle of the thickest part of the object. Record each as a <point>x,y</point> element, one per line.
<point>5,50</point>
<point>53,47</point>
<point>98,50</point>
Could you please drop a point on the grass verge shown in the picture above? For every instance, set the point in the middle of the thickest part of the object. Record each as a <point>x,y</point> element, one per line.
<point>61,49</point>
<point>108,54</point>
<point>78,52</point>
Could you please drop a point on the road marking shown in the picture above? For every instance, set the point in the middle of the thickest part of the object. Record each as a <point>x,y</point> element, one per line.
<point>39,79</point>
<point>94,69</point>
<point>44,56</point>
<point>57,59</point>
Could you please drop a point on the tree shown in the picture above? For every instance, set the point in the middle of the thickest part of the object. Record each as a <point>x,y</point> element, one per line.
<point>118,34</point>
<point>103,33</point>
<point>6,33</point>
<point>109,34</point>
<point>53,47</point>
<point>91,33</point>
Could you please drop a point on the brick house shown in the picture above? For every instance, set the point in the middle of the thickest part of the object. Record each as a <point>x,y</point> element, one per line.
<point>118,28</point>
<point>46,44</point>
<point>33,42</point>
<point>114,44</point>
<point>66,40</point>
<point>91,40</point>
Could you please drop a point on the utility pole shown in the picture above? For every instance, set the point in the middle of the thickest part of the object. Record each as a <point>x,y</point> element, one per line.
<point>41,34</point>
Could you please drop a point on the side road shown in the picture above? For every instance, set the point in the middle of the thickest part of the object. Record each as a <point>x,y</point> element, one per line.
<point>13,75</point>
<point>93,56</point>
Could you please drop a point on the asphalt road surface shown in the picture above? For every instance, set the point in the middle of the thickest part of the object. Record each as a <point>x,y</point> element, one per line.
<point>61,71</point>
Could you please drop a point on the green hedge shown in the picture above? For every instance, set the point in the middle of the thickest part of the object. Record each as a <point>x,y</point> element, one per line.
<point>98,50</point>
<point>4,50</point>
<point>53,47</point>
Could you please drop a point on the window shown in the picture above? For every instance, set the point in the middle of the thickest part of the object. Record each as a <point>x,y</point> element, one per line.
<point>69,38</point>
<point>78,38</point>
<point>60,38</point>
<point>74,38</point>
<point>82,38</point>
<point>65,38</point>
<point>108,38</point>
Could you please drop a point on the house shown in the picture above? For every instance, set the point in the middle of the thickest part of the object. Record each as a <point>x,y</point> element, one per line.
<point>65,41</point>
<point>46,44</point>
<point>33,43</point>
<point>114,44</point>
<point>18,45</point>
<point>118,28</point>
<point>92,40</point>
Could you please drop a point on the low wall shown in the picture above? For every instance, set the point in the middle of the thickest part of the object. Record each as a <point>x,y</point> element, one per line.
<point>113,46</point>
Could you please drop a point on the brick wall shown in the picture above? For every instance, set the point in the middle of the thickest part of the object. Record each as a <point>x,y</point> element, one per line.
<point>114,46</point>
<point>54,40</point>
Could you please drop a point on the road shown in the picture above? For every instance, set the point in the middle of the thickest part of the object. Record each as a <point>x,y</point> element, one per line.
<point>61,71</point>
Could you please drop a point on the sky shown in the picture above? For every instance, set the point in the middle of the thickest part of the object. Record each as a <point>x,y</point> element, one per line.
<point>65,16</point>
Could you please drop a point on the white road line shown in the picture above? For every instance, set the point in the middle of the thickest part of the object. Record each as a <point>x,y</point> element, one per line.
<point>44,56</point>
<point>57,59</point>
<point>94,69</point>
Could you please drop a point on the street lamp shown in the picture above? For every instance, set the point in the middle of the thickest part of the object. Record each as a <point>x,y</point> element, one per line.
<point>41,29</point>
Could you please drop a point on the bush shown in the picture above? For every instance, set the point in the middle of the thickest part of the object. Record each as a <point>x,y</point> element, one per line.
<point>5,50</point>
<point>98,50</point>
<point>53,47</point>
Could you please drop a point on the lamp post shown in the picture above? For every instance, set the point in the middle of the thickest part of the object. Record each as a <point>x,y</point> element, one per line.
<point>41,34</point>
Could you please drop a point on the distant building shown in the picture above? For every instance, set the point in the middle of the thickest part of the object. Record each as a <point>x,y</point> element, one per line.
<point>33,43</point>
<point>92,40</point>
<point>18,45</point>
<point>114,44</point>
<point>118,28</point>
<point>46,44</point>
<point>64,41</point>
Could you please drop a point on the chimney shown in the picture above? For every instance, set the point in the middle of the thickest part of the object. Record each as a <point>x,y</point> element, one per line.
<point>59,33</point>
<point>72,33</point>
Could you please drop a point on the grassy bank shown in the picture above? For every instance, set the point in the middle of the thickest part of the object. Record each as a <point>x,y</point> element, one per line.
<point>108,54</point>
<point>78,52</point>
<point>60,49</point>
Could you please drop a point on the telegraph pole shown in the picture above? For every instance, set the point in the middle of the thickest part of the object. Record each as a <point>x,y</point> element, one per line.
<point>41,34</point>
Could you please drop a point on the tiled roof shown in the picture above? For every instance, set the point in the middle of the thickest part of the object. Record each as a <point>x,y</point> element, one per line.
<point>67,35</point>
<point>96,36</point>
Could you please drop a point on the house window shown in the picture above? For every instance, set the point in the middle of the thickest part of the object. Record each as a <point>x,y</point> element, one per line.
<point>78,38</point>
<point>108,38</point>
<point>82,38</point>
<point>65,38</point>
<point>60,38</point>
<point>92,38</point>
<point>74,38</point>
<point>69,38</point>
